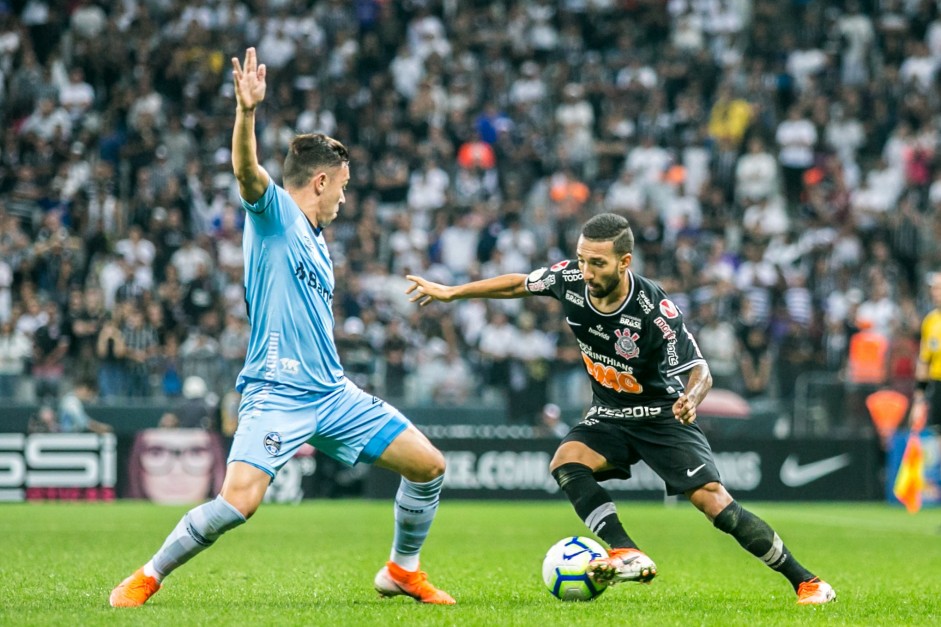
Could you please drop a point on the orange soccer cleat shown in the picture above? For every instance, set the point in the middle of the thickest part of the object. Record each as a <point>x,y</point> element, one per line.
<point>623,565</point>
<point>393,580</point>
<point>815,592</point>
<point>134,591</point>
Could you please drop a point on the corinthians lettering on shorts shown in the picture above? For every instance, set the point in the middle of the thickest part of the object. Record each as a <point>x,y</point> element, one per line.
<point>634,354</point>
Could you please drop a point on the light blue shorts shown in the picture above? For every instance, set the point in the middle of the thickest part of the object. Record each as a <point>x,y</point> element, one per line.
<point>348,424</point>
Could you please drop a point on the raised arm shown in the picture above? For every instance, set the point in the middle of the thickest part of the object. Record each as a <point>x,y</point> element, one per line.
<point>249,93</point>
<point>503,286</point>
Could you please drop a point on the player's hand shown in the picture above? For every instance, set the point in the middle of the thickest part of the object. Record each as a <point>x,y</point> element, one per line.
<point>249,81</point>
<point>684,410</point>
<point>425,291</point>
<point>918,414</point>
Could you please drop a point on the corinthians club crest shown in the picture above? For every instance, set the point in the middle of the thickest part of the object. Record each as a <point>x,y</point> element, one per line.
<point>626,343</point>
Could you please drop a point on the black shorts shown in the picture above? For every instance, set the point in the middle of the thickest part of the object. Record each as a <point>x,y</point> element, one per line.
<point>934,404</point>
<point>679,454</point>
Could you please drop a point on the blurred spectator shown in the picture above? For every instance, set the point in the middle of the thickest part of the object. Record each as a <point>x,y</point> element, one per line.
<point>16,349</point>
<point>529,370</point>
<point>111,350</point>
<point>719,345</point>
<point>496,341</point>
<point>43,421</point>
<point>195,412</point>
<point>796,137</point>
<point>729,118</point>
<point>73,416</point>
<point>755,361</point>
<point>140,350</point>
<point>756,173</point>
<point>47,122</point>
<point>50,347</point>
<point>395,351</point>
<point>550,423</point>
<point>199,355</point>
<point>483,134</point>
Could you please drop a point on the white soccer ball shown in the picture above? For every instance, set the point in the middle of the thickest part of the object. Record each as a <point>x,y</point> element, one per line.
<point>564,569</point>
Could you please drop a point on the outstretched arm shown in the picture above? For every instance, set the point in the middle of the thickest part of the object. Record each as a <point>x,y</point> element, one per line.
<point>503,286</point>
<point>249,93</point>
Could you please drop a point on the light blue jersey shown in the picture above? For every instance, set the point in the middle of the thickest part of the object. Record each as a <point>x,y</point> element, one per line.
<point>289,290</point>
<point>293,387</point>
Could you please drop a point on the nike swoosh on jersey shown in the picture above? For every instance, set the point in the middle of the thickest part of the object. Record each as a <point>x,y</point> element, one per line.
<point>574,324</point>
<point>795,475</point>
<point>692,471</point>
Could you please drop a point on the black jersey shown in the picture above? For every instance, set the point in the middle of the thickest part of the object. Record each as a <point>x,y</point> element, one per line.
<point>633,354</point>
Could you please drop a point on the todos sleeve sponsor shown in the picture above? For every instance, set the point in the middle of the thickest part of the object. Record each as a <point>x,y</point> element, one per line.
<point>549,281</point>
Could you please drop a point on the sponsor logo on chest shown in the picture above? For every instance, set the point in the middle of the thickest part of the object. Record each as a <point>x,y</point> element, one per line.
<point>574,298</point>
<point>630,321</point>
<point>599,331</point>
<point>572,275</point>
<point>644,301</point>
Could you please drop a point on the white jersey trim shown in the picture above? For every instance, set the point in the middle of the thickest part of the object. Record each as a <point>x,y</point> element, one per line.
<point>627,299</point>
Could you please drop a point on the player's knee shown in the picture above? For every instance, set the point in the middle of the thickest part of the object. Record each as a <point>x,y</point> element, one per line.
<point>245,507</point>
<point>566,473</point>
<point>433,466</point>
<point>710,499</point>
<point>563,456</point>
<point>244,500</point>
<point>437,465</point>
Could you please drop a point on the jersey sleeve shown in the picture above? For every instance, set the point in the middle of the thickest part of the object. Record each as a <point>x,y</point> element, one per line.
<point>548,281</point>
<point>925,350</point>
<point>270,213</point>
<point>680,351</point>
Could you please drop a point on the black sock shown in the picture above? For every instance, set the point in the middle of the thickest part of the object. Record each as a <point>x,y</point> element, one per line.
<point>759,539</point>
<point>593,504</point>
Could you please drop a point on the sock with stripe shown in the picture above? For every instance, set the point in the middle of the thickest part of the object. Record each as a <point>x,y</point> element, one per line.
<point>415,508</point>
<point>593,504</point>
<point>196,531</point>
<point>759,539</point>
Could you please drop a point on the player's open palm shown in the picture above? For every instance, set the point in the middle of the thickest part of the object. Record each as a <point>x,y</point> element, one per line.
<point>424,291</point>
<point>249,80</point>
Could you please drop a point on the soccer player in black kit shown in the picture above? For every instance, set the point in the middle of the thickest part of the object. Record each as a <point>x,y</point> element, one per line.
<point>635,346</point>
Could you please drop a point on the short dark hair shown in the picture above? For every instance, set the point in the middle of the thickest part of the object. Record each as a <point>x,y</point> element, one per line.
<point>607,227</point>
<point>308,153</point>
<point>87,382</point>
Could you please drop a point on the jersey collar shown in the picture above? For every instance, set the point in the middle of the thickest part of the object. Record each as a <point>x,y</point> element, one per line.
<point>630,295</point>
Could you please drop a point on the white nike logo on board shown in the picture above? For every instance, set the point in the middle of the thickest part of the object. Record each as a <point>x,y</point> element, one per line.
<point>691,472</point>
<point>795,475</point>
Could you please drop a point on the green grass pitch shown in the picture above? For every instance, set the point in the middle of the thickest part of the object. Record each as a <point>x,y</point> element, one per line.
<point>313,564</point>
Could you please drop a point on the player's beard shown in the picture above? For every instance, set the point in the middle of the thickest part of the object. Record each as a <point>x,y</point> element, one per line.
<point>603,287</point>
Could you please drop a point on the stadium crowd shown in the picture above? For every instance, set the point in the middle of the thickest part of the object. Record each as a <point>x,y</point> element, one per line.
<point>777,160</point>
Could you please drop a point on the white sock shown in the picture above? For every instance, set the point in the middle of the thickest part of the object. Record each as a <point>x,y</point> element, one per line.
<point>150,572</point>
<point>407,562</point>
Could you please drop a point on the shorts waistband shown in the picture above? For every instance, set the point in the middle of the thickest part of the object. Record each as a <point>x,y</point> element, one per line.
<point>637,412</point>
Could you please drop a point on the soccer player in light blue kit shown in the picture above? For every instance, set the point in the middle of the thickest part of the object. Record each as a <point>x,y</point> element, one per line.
<point>293,387</point>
